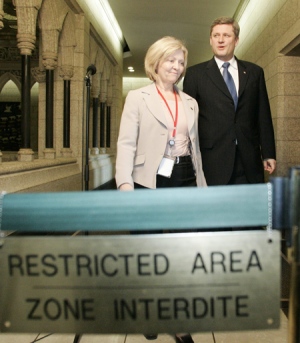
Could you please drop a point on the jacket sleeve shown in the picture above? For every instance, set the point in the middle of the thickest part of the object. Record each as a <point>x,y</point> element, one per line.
<point>267,140</point>
<point>201,181</point>
<point>127,140</point>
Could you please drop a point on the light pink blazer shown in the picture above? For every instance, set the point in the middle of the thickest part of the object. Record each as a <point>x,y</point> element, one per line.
<point>143,137</point>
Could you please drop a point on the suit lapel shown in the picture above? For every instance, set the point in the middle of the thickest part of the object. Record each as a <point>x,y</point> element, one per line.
<point>243,76</point>
<point>187,103</point>
<point>214,74</point>
<point>153,102</point>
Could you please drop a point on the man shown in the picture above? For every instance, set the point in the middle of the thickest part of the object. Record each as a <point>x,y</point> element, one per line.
<point>235,131</point>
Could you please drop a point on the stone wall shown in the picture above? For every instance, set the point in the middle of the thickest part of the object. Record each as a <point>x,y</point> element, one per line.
<point>270,37</point>
<point>70,35</point>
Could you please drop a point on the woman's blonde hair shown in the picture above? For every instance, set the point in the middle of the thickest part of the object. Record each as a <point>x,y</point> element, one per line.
<point>160,51</point>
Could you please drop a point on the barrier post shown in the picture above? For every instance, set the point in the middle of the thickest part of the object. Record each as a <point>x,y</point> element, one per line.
<point>294,302</point>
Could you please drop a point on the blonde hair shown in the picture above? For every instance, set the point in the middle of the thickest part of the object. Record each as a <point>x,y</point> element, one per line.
<point>228,21</point>
<point>160,51</point>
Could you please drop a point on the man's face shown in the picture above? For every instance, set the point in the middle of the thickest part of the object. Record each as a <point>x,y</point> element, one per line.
<point>223,41</point>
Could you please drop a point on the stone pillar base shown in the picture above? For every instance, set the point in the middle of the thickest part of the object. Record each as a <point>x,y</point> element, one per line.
<point>102,150</point>
<point>94,151</point>
<point>49,153</point>
<point>66,152</point>
<point>25,155</point>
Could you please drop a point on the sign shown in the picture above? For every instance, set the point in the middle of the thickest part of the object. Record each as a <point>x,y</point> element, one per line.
<point>183,282</point>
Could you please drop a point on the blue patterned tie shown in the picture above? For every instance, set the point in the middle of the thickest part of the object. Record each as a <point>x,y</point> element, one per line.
<point>230,83</point>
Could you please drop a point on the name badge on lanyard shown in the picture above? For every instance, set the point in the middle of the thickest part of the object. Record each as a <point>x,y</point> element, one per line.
<point>167,163</point>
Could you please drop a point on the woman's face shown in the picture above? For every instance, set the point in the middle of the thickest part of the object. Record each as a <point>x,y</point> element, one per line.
<point>170,69</point>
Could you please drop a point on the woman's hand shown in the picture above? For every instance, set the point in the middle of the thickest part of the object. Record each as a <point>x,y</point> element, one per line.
<point>126,187</point>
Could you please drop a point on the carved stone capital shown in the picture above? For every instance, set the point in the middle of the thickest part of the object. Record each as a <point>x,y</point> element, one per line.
<point>103,96</point>
<point>109,101</point>
<point>26,43</point>
<point>49,60</point>
<point>38,74</point>
<point>66,72</point>
<point>103,93</point>
<point>95,92</point>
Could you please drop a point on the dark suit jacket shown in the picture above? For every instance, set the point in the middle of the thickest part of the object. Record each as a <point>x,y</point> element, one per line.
<point>220,125</point>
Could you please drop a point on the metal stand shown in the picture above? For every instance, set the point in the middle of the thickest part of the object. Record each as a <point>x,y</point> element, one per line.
<point>77,339</point>
<point>294,305</point>
<point>86,170</point>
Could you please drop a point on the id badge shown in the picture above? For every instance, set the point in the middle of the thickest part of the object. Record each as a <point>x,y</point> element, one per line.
<point>166,166</point>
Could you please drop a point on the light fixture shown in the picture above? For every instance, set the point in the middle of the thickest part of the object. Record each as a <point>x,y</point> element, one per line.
<point>126,50</point>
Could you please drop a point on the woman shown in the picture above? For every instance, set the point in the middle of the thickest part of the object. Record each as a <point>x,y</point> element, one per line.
<point>158,143</point>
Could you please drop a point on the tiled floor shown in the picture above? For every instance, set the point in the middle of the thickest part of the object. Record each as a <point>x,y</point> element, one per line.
<point>270,336</point>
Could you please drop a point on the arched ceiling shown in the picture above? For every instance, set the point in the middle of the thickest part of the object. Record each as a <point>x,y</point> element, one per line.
<point>143,22</point>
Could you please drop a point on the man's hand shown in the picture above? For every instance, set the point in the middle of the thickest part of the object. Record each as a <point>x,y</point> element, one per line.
<point>270,165</point>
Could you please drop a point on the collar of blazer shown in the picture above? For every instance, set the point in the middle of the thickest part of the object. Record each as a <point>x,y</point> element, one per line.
<point>154,104</point>
<point>214,73</point>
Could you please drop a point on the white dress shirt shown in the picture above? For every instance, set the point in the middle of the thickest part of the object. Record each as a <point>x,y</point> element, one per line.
<point>233,70</point>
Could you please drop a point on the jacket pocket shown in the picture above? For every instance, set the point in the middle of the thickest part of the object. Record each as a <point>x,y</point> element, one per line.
<point>139,159</point>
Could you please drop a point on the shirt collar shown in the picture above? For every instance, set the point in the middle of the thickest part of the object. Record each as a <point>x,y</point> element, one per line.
<point>233,62</point>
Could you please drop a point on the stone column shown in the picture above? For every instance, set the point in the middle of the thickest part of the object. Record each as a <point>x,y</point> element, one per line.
<point>108,121</point>
<point>26,39</point>
<point>66,72</point>
<point>108,111</point>
<point>103,98</point>
<point>39,75</point>
<point>25,153</point>
<point>50,63</point>
<point>95,101</point>
<point>1,27</point>
<point>1,14</point>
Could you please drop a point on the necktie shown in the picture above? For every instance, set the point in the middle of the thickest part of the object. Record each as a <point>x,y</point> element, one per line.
<point>230,83</point>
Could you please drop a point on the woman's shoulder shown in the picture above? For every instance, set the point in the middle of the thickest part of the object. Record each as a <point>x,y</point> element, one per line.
<point>142,90</point>
<point>136,96</point>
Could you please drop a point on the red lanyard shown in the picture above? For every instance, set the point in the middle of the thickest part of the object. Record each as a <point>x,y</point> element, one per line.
<point>176,111</point>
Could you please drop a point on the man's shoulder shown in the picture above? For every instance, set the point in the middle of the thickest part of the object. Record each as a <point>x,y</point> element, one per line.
<point>199,66</point>
<point>248,64</point>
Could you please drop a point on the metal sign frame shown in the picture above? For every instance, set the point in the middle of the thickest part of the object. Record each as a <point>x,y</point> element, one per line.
<point>185,282</point>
